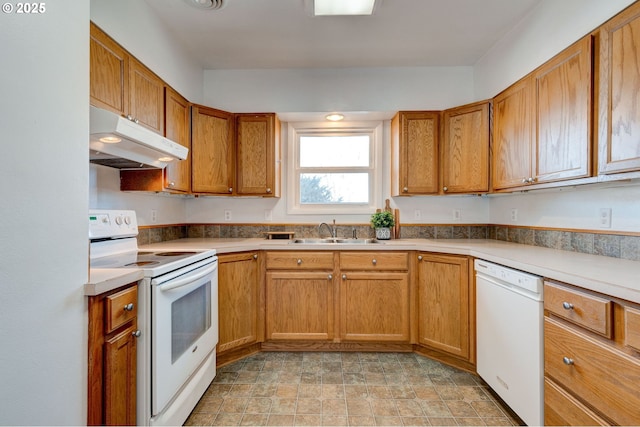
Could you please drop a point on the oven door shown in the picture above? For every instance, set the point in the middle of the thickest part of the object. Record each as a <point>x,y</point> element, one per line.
<point>184,327</point>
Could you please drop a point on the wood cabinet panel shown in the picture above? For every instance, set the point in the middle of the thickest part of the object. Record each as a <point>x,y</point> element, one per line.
<point>238,300</point>
<point>121,307</point>
<point>304,260</point>
<point>512,118</point>
<point>120,380</point>
<point>258,155</point>
<point>594,371</point>
<point>444,303</point>
<point>465,149</point>
<point>562,409</point>
<point>619,93</point>
<point>586,310</point>
<point>374,306</point>
<point>213,151</point>
<point>177,174</point>
<point>146,97</point>
<point>299,306</point>
<point>374,260</point>
<point>109,72</point>
<point>632,328</point>
<point>563,88</point>
<point>414,153</point>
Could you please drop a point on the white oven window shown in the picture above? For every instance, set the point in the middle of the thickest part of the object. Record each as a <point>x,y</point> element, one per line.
<point>190,319</point>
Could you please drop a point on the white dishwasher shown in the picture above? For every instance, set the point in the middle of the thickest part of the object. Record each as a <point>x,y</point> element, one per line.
<point>509,316</point>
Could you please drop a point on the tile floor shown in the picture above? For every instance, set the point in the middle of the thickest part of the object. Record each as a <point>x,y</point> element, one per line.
<point>346,389</point>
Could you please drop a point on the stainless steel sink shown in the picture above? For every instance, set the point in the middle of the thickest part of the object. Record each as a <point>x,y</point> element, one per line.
<point>337,241</point>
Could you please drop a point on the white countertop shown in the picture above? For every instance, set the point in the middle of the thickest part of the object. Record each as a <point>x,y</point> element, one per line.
<point>102,280</point>
<point>612,276</point>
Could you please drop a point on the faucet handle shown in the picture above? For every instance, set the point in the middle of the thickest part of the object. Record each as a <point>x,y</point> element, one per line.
<point>354,233</point>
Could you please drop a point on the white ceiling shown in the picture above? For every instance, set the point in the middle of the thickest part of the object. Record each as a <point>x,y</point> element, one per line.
<point>250,34</point>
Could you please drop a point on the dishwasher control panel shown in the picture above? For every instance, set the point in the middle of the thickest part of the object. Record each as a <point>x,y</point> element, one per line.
<point>509,276</point>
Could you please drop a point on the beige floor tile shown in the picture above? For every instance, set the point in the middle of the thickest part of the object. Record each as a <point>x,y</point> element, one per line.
<point>254,420</point>
<point>409,408</point>
<point>402,392</point>
<point>435,421</point>
<point>309,406</point>
<point>334,407</point>
<point>258,405</point>
<point>280,420</point>
<point>426,393</point>
<point>357,391</point>
<point>388,421</point>
<point>437,409</point>
<point>415,421</point>
<point>334,420</point>
<point>283,405</point>
<point>200,419</point>
<point>470,421</point>
<point>241,390</point>
<point>358,407</point>
<point>287,390</point>
<point>264,390</point>
<point>224,419</point>
<point>460,408</point>
<point>362,421</point>
<point>308,420</point>
<point>309,390</point>
<point>233,405</point>
<point>380,392</point>
<point>487,409</point>
<point>333,391</point>
<point>383,407</point>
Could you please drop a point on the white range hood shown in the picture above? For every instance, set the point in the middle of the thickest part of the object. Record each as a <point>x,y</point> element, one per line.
<point>121,143</point>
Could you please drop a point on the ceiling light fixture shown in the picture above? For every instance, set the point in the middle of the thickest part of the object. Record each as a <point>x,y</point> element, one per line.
<point>207,4</point>
<point>110,139</point>
<point>343,7</point>
<point>334,117</point>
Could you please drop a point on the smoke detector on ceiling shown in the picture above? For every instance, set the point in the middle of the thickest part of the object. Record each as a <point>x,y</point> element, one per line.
<point>207,4</point>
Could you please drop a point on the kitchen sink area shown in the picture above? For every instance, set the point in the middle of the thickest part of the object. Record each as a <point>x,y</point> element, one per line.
<point>337,241</point>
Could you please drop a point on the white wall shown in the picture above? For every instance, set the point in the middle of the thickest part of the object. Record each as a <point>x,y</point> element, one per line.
<point>44,118</point>
<point>134,25</point>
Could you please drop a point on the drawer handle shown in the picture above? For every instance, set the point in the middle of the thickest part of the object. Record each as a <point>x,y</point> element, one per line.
<point>567,305</point>
<point>330,276</point>
<point>299,261</point>
<point>128,307</point>
<point>136,333</point>
<point>344,277</point>
<point>255,256</point>
<point>374,261</point>
<point>419,257</point>
<point>567,361</point>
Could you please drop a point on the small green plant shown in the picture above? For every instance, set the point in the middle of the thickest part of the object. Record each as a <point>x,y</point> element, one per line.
<point>382,219</point>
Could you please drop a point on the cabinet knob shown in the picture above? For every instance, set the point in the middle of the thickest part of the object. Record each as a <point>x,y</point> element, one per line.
<point>374,261</point>
<point>330,277</point>
<point>135,121</point>
<point>344,277</point>
<point>299,261</point>
<point>136,333</point>
<point>230,189</point>
<point>567,361</point>
<point>405,189</point>
<point>525,180</point>
<point>268,190</point>
<point>567,305</point>
<point>172,184</point>
<point>531,180</point>
<point>445,189</point>
<point>255,256</point>
<point>129,117</point>
<point>128,307</point>
<point>419,257</point>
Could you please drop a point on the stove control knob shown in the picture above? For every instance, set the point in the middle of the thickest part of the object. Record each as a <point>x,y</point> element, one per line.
<point>119,220</point>
<point>127,220</point>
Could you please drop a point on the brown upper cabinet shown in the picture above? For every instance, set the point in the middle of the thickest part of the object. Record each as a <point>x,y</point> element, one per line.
<point>542,124</point>
<point>258,154</point>
<point>465,149</point>
<point>414,153</point>
<point>619,93</point>
<point>120,83</point>
<point>212,151</point>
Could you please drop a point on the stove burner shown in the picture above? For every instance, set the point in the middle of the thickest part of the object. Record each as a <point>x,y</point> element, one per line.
<point>142,263</point>
<point>175,253</point>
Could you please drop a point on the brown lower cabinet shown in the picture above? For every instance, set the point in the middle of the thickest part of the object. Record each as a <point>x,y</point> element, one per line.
<point>112,357</point>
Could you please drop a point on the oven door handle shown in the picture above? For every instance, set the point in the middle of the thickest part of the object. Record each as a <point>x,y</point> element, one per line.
<point>187,279</point>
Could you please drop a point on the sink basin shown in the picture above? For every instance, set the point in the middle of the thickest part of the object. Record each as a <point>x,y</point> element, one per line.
<point>336,241</point>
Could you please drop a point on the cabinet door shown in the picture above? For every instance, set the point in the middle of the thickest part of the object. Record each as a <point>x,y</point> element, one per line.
<point>414,139</point>
<point>238,299</point>
<point>619,93</point>
<point>258,151</point>
<point>146,97</point>
<point>374,306</point>
<point>109,68</point>
<point>120,378</point>
<point>178,129</point>
<point>512,159</point>
<point>212,151</point>
<point>465,149</point>
<point>563,114</point>
<point>300,306</point>
<point>443,294</point>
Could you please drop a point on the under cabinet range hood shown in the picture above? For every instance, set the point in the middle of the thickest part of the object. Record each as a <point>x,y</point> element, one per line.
<point>121,143</point>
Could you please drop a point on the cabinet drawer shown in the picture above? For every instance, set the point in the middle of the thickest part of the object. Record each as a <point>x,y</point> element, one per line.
<point>299,260</point>
<point>120,308</point>
<point>562,409</point>
<point>374,261</point>
<point>581,308</point>
<point>597,373</point>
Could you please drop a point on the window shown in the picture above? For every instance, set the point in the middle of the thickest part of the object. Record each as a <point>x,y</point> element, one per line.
<point>334,170</point>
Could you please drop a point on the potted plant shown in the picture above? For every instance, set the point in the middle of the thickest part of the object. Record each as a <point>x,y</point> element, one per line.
<point>382,223</point>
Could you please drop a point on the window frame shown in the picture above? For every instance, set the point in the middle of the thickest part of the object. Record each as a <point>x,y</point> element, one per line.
<point>295,130</point>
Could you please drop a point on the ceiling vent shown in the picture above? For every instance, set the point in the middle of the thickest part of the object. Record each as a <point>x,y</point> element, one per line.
<point>207,4</point>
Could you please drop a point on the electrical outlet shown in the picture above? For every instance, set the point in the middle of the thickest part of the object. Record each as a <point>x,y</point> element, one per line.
<point>227,215</point>
<point>154,215</point>
<point>457,214</point>
<point>514,215</point>
<point>268,214</point>
<point>605,218</point>
<point>417,214</point>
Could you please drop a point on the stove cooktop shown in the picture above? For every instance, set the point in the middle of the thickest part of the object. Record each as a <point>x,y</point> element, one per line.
<point>152,262</point>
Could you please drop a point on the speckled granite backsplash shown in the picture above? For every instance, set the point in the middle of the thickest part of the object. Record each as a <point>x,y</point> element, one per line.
<point>612,245</point>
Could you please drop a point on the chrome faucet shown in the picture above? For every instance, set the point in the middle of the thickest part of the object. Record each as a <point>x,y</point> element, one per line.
<point>332,230</point>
